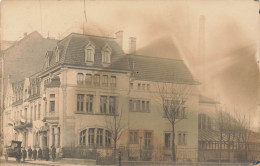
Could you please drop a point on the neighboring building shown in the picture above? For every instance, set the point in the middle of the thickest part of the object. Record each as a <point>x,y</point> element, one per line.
<point>21,59</point>
<point>86,79</point>
<point>222,137</point>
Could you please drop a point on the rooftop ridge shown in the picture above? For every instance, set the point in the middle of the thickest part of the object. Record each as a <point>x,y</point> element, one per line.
<point>79,34</point>
<point>136,55</point>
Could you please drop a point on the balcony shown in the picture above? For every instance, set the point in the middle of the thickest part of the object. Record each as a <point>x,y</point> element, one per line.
<point>51,116</point>
<point>22,125</point>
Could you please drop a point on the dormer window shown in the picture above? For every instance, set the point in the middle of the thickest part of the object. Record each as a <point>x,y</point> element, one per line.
<point>57,54</point>
<point>106,54</point>
<point>89,52</point>
<point>47,62</point>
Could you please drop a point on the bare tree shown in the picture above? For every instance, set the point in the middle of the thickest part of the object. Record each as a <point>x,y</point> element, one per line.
<point>115,125</point>
<point>173,98</point>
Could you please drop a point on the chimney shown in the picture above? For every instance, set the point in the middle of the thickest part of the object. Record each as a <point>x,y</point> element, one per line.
<point>132,45</point>
<point>119,38</point>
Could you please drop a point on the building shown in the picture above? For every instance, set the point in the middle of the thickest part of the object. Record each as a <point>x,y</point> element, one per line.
<point>71,101</point>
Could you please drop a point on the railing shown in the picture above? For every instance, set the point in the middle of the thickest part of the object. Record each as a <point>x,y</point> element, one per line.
<point>52,115</point>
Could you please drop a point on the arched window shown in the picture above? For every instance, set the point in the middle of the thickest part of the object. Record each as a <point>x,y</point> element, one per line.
<point>88,79</point>
<point>106,54</point>
<point>108,138</point>
<point>80,78</point>
<point>89,52</point>
<point>82,137</point>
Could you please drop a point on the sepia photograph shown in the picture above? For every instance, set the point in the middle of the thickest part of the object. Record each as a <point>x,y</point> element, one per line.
<point>130,83</point>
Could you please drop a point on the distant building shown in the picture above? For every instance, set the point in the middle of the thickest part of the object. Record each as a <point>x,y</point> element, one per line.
<point>81,82</point>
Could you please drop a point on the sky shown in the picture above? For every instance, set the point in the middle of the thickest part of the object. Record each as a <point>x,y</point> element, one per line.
<point>228,70</point>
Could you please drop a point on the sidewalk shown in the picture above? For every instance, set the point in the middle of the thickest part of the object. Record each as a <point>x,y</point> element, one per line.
<point>64,161</point>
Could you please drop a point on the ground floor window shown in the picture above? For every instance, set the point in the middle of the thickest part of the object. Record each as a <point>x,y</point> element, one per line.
<point>167,140</point>
<point>95,136</point>
<point>182,138</point>
<point>148,139</point>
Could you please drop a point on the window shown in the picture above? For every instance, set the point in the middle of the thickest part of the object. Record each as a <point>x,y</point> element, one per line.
<point>209,123</point>
<point>167,140</point>
<point>52,106</point>
<point>139,105</point>
<point>89,52</point>
<point>139,86</point>
<point>113,81</point>
<point>99,137</point>
<point>39,111</point>
<point>88,79</point>
<point>143,86</point>
<point>103,104</point>
<point>91,136</point>
<point>112,104</point>
<point>89,103</point>
<point>31,112</point>
<point>108,138</point>
<point>58,136</point>
<point>25,114</point>
<point>131,85</point>
<point>105,81</point>
<point>89,55</point>
<point>80,78</point>
<point>82,139</point>
<point>148,86</point>
<point>97,79</point>
<point>53,137</point>
<point>143,106</point>
<point>182,138</point>
<point>80,102</point>
<point>52,95</point>
<point>147,106</point>
<point>57,54</point>
<point>202,121</point>
<point>133,137</point>
<point>106,54</point>
<point>35,112</point>
<point>148,139</point>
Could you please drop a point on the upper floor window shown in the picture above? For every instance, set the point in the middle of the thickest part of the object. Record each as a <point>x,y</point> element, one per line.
<point>105,80</point>
<point>84,103</point>
<point>108,103</point>
<point>97,80</point>
<point>89,52</point>
<point>47,60</point>
<point>174,107</point>
<point>106,54</point>
<point>52,106</point>
<point>113,81</point>
<point>88,79</point>
<point>80,78</point>
<point>136,105</point>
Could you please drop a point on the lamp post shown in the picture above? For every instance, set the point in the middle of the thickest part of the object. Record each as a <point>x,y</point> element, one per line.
<point>140,148</point>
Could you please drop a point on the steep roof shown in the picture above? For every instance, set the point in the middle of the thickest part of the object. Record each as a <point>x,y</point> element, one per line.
<point>26,57</point>
<point>72,52</point>
<point>160,69</point>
